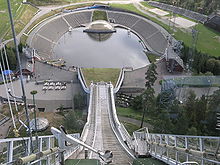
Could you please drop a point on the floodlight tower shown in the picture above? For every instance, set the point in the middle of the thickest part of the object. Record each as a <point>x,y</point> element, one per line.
<point>193,48</point>
<point>21,75</point>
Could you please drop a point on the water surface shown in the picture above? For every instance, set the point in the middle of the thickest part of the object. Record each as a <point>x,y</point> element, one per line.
<point>115,50</point>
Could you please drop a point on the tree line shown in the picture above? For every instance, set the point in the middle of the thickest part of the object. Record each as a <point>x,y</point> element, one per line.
<point>11,57</point>
<point>201,62</point>
<point>202,6</point>
<point>197,116</point>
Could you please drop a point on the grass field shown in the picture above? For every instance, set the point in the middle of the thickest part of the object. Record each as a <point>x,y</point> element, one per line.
<point>147,5</point>
<point>59,2</point>
<point>15,6</point>
<point>99,15</point>
<point>131,113</point>
<point>22,19</point>
<point>101,74</point>
<point>22,14</point>
<point>130,127</point>
<point>208,39</point>
<point>128,112</point>
<point>152,57</point>
<point>82,162</point>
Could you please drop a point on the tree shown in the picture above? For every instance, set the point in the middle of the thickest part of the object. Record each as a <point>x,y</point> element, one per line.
<point>136,103</point>
<point>79,101</point>
<point>20,47</point>
<point>216,70</point>
<point>190,108</point>
<point>73,122</point>
<point>200,113</point>
<point>150,76</point>
<point>148,98</point>
<point>213,108</point>
<point>192,131</point>
<point>210,65</point>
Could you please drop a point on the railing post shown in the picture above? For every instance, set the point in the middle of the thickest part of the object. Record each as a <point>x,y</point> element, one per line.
<point>167,142</point>
<point>151,146</point>
<point>48,147</point>
<point>28,147</point>
<point>10,151</point>
<point>155,146</point>
<point>201,147</point>
<point>176,152</point>
<point>186,146</point>
<point>40,147</point>
<point>161,148</point>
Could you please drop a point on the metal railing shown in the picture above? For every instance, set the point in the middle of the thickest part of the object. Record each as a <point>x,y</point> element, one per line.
<point>82,80</point>
<point>119,130</point>
<point>15,150</point>
<point>176,149</point>
<point>120,80</point>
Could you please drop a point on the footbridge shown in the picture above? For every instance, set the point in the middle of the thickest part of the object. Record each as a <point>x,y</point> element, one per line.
<point>103,132</point>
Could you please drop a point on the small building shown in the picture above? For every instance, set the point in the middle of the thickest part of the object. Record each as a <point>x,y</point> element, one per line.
<point>214,21</point>
<point>173,62</point>
<point>25,72</point>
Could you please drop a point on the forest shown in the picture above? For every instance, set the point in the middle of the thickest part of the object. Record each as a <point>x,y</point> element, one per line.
<point>206,7</point>
<point>197,116</point>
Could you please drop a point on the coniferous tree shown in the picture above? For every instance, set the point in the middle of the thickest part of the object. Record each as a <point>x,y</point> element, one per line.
<point>148,99</point>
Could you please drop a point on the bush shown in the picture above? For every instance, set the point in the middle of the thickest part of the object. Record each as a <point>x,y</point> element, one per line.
<point>73,122</point>
<point>79,101</point>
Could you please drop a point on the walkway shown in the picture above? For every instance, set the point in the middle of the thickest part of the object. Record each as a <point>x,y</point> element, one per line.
<point>101,135</point>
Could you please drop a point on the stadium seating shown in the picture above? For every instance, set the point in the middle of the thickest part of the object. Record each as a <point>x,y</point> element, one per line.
<point>123,19</point>
<point>43,46</point>
<point>49,34</point>
<point>187,13</point>
<point>151,35</point>
<point>157,42</point>
<point>54,30</point>
<point>72,20</point>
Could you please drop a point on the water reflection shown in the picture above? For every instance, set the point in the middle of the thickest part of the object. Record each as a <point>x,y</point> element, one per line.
<point>99,36</point>
<point>115,51</point>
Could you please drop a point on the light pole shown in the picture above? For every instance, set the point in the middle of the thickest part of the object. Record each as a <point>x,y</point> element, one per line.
<point>20,70</point>
<point>34,92</point>
<point>144,109</point>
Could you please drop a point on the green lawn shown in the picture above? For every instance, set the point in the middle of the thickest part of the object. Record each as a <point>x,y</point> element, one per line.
<point>128,112</point>
<point>4,25</point>
<point>58,2</point>
<point>101,74</point>
<point>26,12</point>
<point>208,41</point>
<point>152,57</point>
<point>130,127</point>
<point>99,15</point>
<point>147,5</point>
<point>131,113</point>
<point>82,162</point>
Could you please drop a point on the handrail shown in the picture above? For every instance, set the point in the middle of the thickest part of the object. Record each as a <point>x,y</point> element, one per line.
<point>85,129</point>
<point>82,80</point>
<point>120,80</point>
<point>116,125</point>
